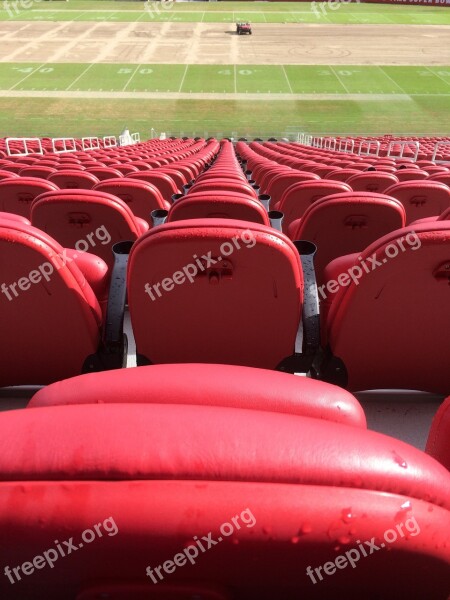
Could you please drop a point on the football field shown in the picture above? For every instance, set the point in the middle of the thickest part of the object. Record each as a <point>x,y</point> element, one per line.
<point>81,68</point>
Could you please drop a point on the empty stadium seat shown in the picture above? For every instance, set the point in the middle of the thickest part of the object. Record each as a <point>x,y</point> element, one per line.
<point>345,223</point>
<point>386,312</point>
<point>374,181</point>
<point>221,307</point>
<point>219,205</point>
<point>438,443</point>
<point>163,182</point>
<point>73,179</point>
<point>130,486</point>
<point>87,220</point>
<point>51,319</point>
<point>296,199</point>
<point>142,197</point>
<point>17,193</point>
<point>421,198</point>
<point>208,385</point>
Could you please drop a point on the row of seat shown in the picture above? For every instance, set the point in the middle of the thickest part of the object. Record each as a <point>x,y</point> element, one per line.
<point>278,472</point>
<point>293,187</point>
<point>243,291</point>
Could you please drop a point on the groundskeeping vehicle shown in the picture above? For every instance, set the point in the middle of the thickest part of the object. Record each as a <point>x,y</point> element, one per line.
<point>242,28</point>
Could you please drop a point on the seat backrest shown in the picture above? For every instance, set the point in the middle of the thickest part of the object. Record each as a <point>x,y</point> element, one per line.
<point>163,182</point>
<point>374,181</point>
<point>141,196</point>
<point>37,171</point>
<point>389,319</point>
<point>438,443</point>
<point>50,319</point>
<point>411,174</point>
<point>104,172</point>
<point>296,199</point>
<point>17,194</point>
<point>226,185</point>
<point>421,198</point>
<point>86,220</point>
<point>208,385</point>
<point>220,205</point>
<point>73,179</point>
<point>342,174</point>
<point>278,184</point>
<point>222,283</point>
<point>441,177</point>
<point>136,484</point>
<point>345,223</point>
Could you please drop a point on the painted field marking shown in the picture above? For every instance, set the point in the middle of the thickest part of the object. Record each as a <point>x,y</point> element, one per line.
<point>26,76</point>
<point>339,79</point>
<point>436,75</point>
<point>133,74</point>
<point>79,76</point>
<point>183,78</point>
<point>393,80</point>
<point>287,79</point>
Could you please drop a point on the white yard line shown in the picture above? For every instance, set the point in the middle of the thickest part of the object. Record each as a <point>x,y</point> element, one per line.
<point>183,78</point>
<point>438,76</point>
<point>133,74</point>
<point>26,77</point>
<point>393,80</point>
<point>287,79</point>
<point>79,76</point>
<point>339,79</point>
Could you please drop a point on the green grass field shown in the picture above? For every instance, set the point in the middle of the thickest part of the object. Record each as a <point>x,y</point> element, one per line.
<point>381,99</point>
<point>273,79</point>
<point>219,12</point>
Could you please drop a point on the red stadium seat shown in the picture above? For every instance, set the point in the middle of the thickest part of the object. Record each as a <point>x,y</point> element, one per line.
<point>388,322</point>
<point>282,181</point>
<point>296,199</point>
<point>104,172</point>
<point>438,444</point>
<point>219,205</point>
<point>37,171</point>
<point>71,179</point>
<point>208,385</point>
<point>421,198</point>
<point>374,181</point>
<point>129,486</point>
<point>345,223</point>
<point>87,220</point>
<point>221,307</point>
<point>17,194</point>
<point>142,197</point>
<point>51,319</point>
<point>163,182</point>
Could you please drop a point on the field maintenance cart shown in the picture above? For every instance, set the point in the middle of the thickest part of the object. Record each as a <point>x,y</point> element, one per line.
<point>243,28</point>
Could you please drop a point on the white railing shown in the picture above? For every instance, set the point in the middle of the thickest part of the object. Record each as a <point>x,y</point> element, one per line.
<point>436,150</point>
<point>109,141</point>
<point>369,144</point>
<point>26,149</point>
<point>346,146</point>
<point>329,143</point>
<point>136,137</point>
<point>90,143</point>
<point>400,147</point>
<point>68,145</point>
